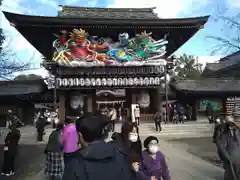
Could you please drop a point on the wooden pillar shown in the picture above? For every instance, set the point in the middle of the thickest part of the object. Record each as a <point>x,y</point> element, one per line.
<point>194,109</point>
<point>89,103</point>
<point>128,98</point>
<point>128,102</point>
<point>62,109</point>
<point>134,98</point>
<point>94,103</point>
<point>158,98</point>
<point>26,114</point>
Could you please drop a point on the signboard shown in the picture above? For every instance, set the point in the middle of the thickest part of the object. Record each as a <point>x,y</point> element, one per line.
<point>216,104</point>
<point>79,48</point>
<point>233,106</point>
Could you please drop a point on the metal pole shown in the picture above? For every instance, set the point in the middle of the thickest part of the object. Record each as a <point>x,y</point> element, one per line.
<point>166,93</point>
<point>55,93</point>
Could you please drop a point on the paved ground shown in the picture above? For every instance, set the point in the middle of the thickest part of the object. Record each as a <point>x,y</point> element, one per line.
<point>201,147</point>
<point>185,166</point>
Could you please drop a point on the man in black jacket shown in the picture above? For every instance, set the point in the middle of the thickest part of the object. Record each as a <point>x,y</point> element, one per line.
<point>40,124</point>
<point>157,121</point>
<point>10,150</point>
<point>98,160</point>
<point>13,119</point>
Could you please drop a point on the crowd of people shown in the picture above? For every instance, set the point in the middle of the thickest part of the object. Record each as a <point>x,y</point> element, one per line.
<point>80,149</point>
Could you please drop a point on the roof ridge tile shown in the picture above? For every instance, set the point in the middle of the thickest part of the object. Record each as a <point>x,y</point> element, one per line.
<point>144,9</point>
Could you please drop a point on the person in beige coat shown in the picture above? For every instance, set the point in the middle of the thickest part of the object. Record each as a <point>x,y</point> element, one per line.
<point>137,115</point>
<point>113,117</point>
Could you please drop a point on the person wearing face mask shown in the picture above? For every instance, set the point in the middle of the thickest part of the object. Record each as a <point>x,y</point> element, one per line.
<point>97,159</point>
<point>153,163</point>
<point>128,140</point>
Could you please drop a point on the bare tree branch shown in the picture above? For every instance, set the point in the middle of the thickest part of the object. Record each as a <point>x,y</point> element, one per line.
<point>10,63</point>
<point>229,41</point>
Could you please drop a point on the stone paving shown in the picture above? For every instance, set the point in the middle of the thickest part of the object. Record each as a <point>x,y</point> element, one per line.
<point>185,166</point>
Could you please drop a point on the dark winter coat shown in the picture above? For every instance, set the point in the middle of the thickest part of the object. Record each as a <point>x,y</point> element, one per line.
<point>12,139</point>
<point>41,123</point>
<point>99,160</point>
<point>157,117</point>
<point>229,148</point>
<point>54,144</point>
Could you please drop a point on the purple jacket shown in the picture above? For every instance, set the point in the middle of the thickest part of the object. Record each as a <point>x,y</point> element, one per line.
<point>70,138</point>
<point>157,168</point>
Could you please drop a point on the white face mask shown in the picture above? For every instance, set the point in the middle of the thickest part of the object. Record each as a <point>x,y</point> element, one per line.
<point>133,137</point>
<point>153,149</point>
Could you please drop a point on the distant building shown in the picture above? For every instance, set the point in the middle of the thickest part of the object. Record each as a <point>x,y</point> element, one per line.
<point>228,66</point>
<point>220,86</point>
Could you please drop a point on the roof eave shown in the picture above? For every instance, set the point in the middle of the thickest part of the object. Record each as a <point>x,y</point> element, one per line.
<point>20,18</point>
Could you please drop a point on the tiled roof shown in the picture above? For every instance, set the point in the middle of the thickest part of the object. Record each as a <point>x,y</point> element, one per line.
<point>233,56</point>
<point>225,62</point>
<point>217,66</point>
<point>221,65</point>
<point>115,13</point>
<point>180,29</point>
<point>209,85</point>
<point>21,87</point>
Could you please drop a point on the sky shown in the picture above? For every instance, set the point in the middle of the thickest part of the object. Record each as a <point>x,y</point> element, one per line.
<point>199,45</point>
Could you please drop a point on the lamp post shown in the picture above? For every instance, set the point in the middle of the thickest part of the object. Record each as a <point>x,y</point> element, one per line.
<point>52,81</point>
<point>166,91</point>
<point>55,94</point>
<point>169,65</point>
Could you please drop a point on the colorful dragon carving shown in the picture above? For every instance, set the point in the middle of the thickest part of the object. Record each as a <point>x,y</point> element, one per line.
<point>81,49</point>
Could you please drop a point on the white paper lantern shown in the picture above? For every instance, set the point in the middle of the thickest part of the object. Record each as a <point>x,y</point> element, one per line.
<point>76,100</point>
<point>151,81</point>
<point>146,81</point>
<point>115,81</point>
<point>104,81</point>
<point>93,82</point>
<point>98,82</point>
<point>82,82</point>
<point>141,81</point>
<point>144,99</point>
<point>135,81</point>
<point>125,81</point>
<point>120,82</point>
<point>130,81</point>
<point>109,82</point>
<point>87,82</point>
<point>70,82</point>
<point>65,82</point>
<point>157,81</point>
